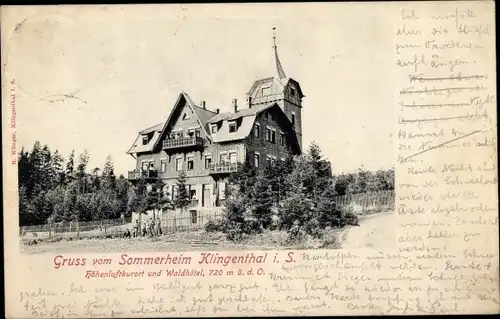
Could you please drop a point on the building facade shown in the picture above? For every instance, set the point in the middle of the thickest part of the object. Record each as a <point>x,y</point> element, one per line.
<point>209,145</point>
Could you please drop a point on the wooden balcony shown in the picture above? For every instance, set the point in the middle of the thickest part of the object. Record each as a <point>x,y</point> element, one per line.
<point>145,174</point>
<point>184,142</point>
<point>223,168</point>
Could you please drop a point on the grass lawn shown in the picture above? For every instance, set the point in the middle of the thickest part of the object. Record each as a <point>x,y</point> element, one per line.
<point>183,241</point>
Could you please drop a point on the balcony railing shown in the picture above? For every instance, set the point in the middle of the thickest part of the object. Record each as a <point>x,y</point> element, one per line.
<point>182,142</point>
<point>137,174</point>
<point>223,168</point>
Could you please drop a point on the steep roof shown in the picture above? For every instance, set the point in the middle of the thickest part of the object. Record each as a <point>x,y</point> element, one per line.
<point>248,117</point>
<point>206,117</point>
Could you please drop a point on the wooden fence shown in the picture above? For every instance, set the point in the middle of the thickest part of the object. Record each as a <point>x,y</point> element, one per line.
<point>363,203</point>
<point>187,220</point>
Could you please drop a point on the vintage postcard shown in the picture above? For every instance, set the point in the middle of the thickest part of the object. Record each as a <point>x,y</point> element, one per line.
<point>250,159</point>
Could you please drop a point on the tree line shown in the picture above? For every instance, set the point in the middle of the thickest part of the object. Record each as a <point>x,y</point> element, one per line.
<point>364,181</point>
<point>52,189</point>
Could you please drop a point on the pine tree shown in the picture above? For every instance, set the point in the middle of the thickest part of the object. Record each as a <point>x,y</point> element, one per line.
<point>35,169</point>
<point>108,175</point>
<point>81,171</point>
<point>261,202</point>
<point>57,168</point>
<point>24,170</point>
<point>70,165</point>
<point>48,179</point>
<point>157,198</point>
<point>182,197</point>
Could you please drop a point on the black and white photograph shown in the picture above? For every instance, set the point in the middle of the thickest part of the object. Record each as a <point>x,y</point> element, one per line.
<point>221,135</point>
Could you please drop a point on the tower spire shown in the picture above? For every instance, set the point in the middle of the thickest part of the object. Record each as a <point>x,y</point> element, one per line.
<point>281,72</point>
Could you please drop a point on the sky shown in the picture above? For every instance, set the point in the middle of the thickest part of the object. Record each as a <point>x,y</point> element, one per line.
<point>127,65</point>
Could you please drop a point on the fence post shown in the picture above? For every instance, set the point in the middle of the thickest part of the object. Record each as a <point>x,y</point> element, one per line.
<point>50,230</point>
<point>77,229</point>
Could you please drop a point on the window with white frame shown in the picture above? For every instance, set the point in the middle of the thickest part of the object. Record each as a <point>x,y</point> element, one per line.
<point>192,192</point>
<point>208,161</point>
<point>178,164</point>
<point>144,165</point>
<point>273,136</point>
<point>282,139</point>
<point>222,190</point>
<point>268,134</point>
<point>256,159</point>
<point>190,163</point>
<point>256,130</point>
<point>163,165</point>
<point>214,128</point>
<point>145,140</point>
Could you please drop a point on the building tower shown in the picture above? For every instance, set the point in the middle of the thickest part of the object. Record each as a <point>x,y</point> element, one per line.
<point>280,89</point>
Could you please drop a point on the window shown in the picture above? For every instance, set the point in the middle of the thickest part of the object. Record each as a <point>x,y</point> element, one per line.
<point>178,164</point>
<point>268,161</point>
<point>174,192</point>
<point>293,118</point>
<point>222,190</point>
<point>214,128</point>
<point>190,132</point>
<point>256,159</point>
<point>273,160</point>
<point>197,133</point>
<point>208,161</point>
<point>282,139</point>
<point>223,158</point>
<point>266,91</point>
<point>190,163</point>
<point>232,127</point>
<point>185,116</point>
<point>144,165</point>
<point>292,91</point>
<point>232,157</point>
<point>194,216</point>
<point>273,136</point>
<point>145,140</point>
<point>192,193</point>
<point>256,130</point>
<point>163,165</point>
<point>268,134</point>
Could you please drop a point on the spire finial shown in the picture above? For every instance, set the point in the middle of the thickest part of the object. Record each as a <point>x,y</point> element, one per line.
<point>274,37</point>
<point>281,72</point>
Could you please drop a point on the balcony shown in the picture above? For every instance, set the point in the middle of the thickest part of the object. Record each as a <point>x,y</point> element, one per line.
<point>183,142</point>
<point>146,174</point>
<point>223,168</point>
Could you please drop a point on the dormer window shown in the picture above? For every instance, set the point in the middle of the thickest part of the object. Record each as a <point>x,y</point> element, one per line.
<point>214,128</point>
<point>145,140</point>
<point>266,91</point>
<point>232,127</point>
<point>292,91</point>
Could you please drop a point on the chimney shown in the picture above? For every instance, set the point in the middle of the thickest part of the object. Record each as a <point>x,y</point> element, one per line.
<point>235,105</point>
<point>217,111</point>
<point>249,102</point>
<point>203,104</point>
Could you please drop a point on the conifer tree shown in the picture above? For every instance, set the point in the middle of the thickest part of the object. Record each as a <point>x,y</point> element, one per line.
<point>182,199</point>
